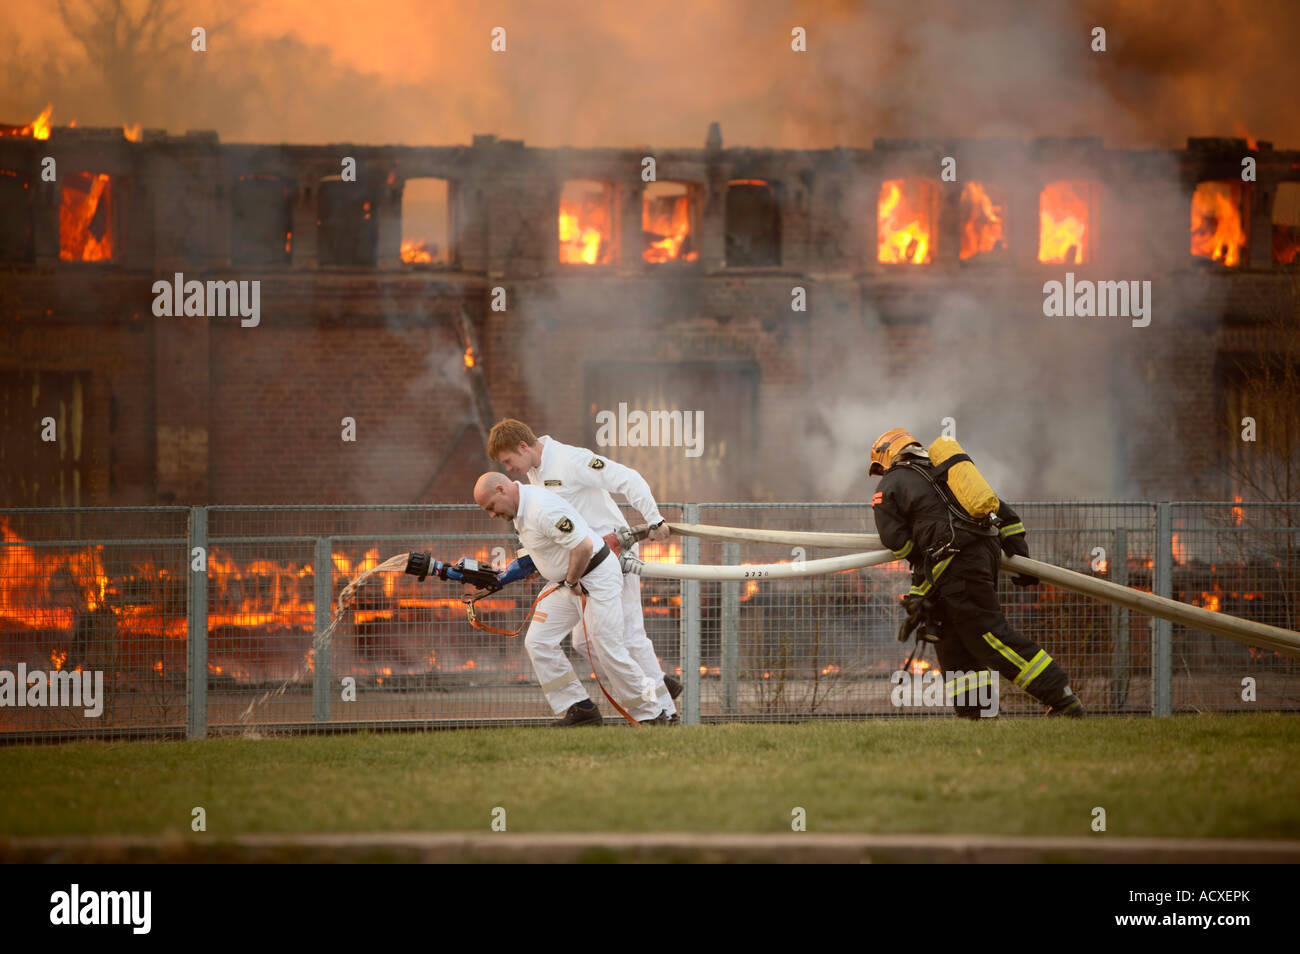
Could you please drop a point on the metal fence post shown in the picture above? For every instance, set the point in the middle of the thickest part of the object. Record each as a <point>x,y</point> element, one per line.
<point>730,632</point>
<point>1162,584</point>
<point>196,628</point>
<point>690,617</point>
<point>1119,663</point>
<point>322,593</point>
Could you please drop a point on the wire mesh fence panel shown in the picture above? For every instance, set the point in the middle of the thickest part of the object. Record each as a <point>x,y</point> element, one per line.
<point>1104,649</point>
<point>820,646</point>
<point>92,622</point>
<point>402,650</point>
<point>1241,559</point>
<point>113,594</point>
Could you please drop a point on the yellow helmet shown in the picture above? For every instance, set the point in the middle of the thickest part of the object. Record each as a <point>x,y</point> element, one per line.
<point>887,447</point>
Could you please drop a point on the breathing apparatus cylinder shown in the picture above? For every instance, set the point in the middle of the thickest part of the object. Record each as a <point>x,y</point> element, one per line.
<point>971,491</point>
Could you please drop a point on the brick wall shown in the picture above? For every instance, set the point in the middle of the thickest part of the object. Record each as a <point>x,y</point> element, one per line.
<point>199,410</point>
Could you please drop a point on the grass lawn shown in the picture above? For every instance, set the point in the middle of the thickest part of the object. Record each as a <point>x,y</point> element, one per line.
<point>1186,776</point>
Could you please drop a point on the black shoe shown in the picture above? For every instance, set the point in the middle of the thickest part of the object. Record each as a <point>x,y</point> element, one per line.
<point>579,715</point>
<point>1072,709</point>
<point>660,719</point>
<point>674,719</point>
<point>673,685</point>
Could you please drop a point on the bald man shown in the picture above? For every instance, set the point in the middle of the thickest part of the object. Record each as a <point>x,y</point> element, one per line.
<point>565,551</point>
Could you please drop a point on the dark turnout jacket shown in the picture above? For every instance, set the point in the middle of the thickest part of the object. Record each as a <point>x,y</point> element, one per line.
<point>913,519</point>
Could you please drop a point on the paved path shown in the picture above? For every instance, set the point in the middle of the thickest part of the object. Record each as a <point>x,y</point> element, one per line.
<point>651,846</point>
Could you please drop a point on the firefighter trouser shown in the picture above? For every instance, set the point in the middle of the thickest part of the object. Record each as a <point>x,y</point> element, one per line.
<point>559,614</point>
<point>636,639</point>
<point>638,642</point>
<point>975,635</point>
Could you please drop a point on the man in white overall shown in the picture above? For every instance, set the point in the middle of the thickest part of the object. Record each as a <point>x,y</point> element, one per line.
<point>565,551</point>
<point>586,480</point>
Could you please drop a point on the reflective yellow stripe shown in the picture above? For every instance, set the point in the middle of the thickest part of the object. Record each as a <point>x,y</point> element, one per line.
<point>907,548</point>
<point>1034,669</point>
<point>1006,651</point>
<point>560,683</point>
<point>981,678</point>
<point>1012,529</point>
<point>924,588</point>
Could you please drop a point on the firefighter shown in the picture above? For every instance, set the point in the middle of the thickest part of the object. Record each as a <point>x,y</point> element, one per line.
<point>955,560</point>
<point>587,602</point>
<point>586,480</point>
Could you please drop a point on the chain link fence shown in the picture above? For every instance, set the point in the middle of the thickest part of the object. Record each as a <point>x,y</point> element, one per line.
<point>146,598</point>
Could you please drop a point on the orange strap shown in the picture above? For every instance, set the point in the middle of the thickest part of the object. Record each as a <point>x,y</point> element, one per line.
<point>473,621</point>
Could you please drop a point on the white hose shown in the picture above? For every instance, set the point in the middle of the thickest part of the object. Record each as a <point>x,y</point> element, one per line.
<point>834,541</point>
<point>1220,624</point>
<point>759,571</point>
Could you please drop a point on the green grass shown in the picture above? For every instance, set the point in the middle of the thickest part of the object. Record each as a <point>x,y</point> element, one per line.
<point>1188,776</point>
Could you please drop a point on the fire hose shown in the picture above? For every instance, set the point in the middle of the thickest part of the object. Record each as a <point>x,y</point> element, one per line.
<point>1219,624</point>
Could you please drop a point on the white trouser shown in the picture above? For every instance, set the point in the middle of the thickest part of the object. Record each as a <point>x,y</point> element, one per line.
<point>638,643</point>
<point>558,614</point>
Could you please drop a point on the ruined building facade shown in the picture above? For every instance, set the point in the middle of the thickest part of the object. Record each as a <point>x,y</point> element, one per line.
<point>801,300</point>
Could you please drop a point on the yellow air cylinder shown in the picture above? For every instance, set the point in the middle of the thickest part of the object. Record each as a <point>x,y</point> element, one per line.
<point>968,486</point>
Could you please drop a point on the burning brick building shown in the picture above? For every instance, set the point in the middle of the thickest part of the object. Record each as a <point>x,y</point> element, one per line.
<point>802,300</point>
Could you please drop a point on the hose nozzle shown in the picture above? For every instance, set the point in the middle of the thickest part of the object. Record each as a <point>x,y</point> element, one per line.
<point>419,564</point>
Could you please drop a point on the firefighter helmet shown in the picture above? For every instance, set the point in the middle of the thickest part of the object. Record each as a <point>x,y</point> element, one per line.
<point>887,447</point>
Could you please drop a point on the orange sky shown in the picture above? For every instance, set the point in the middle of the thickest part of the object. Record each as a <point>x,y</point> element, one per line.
<point>613,73</point>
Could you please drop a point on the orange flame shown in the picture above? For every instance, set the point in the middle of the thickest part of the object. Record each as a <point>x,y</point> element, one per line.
<point>416,250</point>
<point>38,128</point>
<point>665,552</point>
<point>132,133</point>
<point>586,223</point>
<point>669,218</point>
<point>905,220</point>
<point>85,232</point>
<point>1239,130</point>
<point>981,221</point>
<point>469,357</point>
<point>1178,549</point>
<point>1063,223</point>
<point>1217,231</point>
<point>1237,512</point>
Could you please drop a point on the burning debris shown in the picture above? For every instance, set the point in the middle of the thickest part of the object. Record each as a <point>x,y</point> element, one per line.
<point>417,252</point>
<point>587,223</point>
<point>38,128</point>
<point>1217,229</point>
<point>427,221</point>
<point>983,209</point>
<point>85,233</point>
<point>666,223</point>
<point>907,213</point>
<point>1063,215</point>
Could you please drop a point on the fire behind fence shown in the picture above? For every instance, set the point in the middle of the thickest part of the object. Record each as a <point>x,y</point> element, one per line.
<point>121,592</point>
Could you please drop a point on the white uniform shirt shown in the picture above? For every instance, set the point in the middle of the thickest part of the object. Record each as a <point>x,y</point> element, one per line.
<point>549,529</point>
<point>586,480</point>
